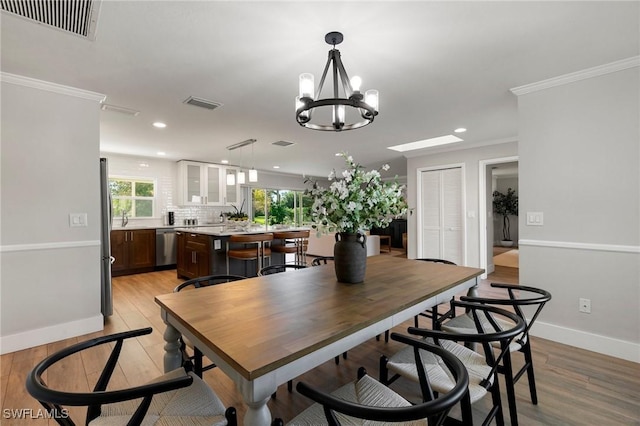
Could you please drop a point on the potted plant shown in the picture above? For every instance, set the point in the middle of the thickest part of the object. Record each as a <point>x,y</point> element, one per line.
<point>505,205</point>
<point>238,214</point>
<point>354,202</point>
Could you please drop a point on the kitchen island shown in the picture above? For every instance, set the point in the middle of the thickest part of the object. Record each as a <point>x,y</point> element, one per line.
<point>202,250</point>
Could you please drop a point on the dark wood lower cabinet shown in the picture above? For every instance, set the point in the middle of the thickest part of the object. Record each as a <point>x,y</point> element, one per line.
<point>194,255</point>
<point>134,251</point>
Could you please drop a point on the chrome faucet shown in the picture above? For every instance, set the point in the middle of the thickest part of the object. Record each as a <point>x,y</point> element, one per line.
<point>125,219</point>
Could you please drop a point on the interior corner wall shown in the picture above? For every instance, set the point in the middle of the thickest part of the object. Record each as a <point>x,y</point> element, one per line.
<point>50,272</point>
<point>470,158</point>
<point>579,164</point>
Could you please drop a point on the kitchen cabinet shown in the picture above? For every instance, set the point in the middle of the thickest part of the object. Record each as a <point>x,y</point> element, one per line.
<point>134,251</point>
<point>194,255</point>
<point>206,184</point>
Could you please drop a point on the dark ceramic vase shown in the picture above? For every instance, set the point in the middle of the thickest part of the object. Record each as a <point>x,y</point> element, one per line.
<point>350,257</point>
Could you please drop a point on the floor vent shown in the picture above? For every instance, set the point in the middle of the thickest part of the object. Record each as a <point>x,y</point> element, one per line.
<point>79,17</point>
<point>202,103</point>
<point>282,143</point>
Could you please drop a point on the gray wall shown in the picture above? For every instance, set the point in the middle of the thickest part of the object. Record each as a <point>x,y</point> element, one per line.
<point>50,272</point>
<point>580,166</point>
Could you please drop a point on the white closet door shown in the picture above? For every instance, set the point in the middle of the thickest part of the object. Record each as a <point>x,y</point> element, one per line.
<point>431,214</point>
<point>442,214</point>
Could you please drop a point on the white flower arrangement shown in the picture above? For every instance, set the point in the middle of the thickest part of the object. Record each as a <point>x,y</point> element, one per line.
<point>356,202</point>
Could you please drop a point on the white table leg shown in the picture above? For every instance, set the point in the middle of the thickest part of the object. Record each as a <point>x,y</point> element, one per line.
<point>473,291</point>
<point>256,394</point>
<point>257,413</point>
<point>172,355</point>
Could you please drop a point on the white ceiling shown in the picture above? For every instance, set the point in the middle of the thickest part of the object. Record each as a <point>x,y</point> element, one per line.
<point>437,65</point>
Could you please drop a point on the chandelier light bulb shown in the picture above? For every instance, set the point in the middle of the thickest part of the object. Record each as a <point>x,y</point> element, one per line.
<point>306,85</point>
<point>356,82</point>
<point>253,175</point>
<point>241,178</point>
<point>371,98</point>
<point>338,116</point>
<point>304,115</point>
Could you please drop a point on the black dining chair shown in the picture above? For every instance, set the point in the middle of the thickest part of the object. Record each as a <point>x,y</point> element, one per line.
<point>433,312</point>
<point>481,366</point>
<point>321,260</point>
<point>519,298</point>
<point>177,397</point>
<point>197,357</point>
<point>368,399</point>
<point>276,269</point>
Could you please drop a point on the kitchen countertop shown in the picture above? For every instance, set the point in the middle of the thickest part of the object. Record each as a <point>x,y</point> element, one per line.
<point>137,227</point>
<point>220,231</point>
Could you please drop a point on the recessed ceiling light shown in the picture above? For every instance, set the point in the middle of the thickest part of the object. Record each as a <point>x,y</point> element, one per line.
<point>159,125</point>
<point>460,130</point>
<point>161,153</point>
<point>427,143</point>
<point>224,161</point>
<point>276,167</point>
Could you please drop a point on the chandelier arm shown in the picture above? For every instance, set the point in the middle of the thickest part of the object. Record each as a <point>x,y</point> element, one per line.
<point>324,75</point>
<point>346,84</point>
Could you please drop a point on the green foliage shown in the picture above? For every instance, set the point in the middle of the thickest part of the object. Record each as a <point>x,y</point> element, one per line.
<point>357,201</point>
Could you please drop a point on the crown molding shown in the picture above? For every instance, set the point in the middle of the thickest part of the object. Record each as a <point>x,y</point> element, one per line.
<point>51,87</point>
<point>577,76</point>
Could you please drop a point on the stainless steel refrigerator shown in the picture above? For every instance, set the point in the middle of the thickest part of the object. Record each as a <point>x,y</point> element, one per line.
<point>105,240</point>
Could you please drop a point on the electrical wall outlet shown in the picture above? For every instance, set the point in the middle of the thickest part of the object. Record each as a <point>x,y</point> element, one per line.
<point>585,305</point>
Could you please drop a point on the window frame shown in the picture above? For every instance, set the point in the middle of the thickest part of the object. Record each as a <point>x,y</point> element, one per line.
<point>133,197</point>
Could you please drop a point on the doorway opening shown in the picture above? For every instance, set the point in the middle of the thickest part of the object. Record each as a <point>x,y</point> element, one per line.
<point>497,174</point>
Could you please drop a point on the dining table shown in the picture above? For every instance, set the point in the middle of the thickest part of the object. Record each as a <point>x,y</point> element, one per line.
<point>267,330</point>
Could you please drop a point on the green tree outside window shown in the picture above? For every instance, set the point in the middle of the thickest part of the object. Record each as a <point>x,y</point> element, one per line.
<point>133,197</point>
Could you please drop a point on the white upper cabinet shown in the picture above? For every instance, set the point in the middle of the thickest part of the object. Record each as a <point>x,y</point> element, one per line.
<point>205,184</point>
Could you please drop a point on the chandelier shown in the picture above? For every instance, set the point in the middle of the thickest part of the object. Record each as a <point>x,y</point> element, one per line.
<point>308,105</point>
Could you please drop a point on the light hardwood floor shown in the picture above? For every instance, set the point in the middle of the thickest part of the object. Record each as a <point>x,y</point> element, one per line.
<point>575,387</point>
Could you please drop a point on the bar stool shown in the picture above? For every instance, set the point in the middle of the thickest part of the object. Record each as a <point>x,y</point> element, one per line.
<point>292,242</point>
<point>254,247</point>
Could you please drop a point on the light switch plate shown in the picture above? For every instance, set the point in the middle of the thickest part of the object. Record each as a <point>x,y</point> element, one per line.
<point>77,219</point>
<point>535,219</point>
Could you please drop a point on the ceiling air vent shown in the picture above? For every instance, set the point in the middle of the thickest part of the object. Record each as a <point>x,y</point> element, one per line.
<point>202,103</point>
<point>282,143</point>
<point>119,109</point>
<point>79,17</point>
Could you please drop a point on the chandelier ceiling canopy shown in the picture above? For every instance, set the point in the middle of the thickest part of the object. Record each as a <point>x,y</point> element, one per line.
<point>363,108</point>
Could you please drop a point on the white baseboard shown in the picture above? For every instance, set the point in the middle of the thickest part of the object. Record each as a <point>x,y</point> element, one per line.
<point>589,341</point>
<point>42,336</point>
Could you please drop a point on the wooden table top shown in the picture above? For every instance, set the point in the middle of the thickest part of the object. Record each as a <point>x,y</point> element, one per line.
<point>260,324</point>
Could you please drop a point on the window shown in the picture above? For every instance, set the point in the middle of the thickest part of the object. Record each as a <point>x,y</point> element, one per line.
<point>280,207</point>
<point>134,197</point>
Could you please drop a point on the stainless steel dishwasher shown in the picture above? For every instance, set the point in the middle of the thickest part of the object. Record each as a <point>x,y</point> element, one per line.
<point>165,246</point>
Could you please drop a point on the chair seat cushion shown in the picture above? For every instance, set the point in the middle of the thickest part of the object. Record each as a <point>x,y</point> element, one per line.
<point>366,391</point>
<point>403,363</point>
<point>463,324</point>
<point>193,405</point>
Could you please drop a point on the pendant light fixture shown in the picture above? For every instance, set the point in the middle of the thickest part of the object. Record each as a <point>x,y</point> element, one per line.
<point>241,175</point>
<point>253,173</point>
<point>308,102</point>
